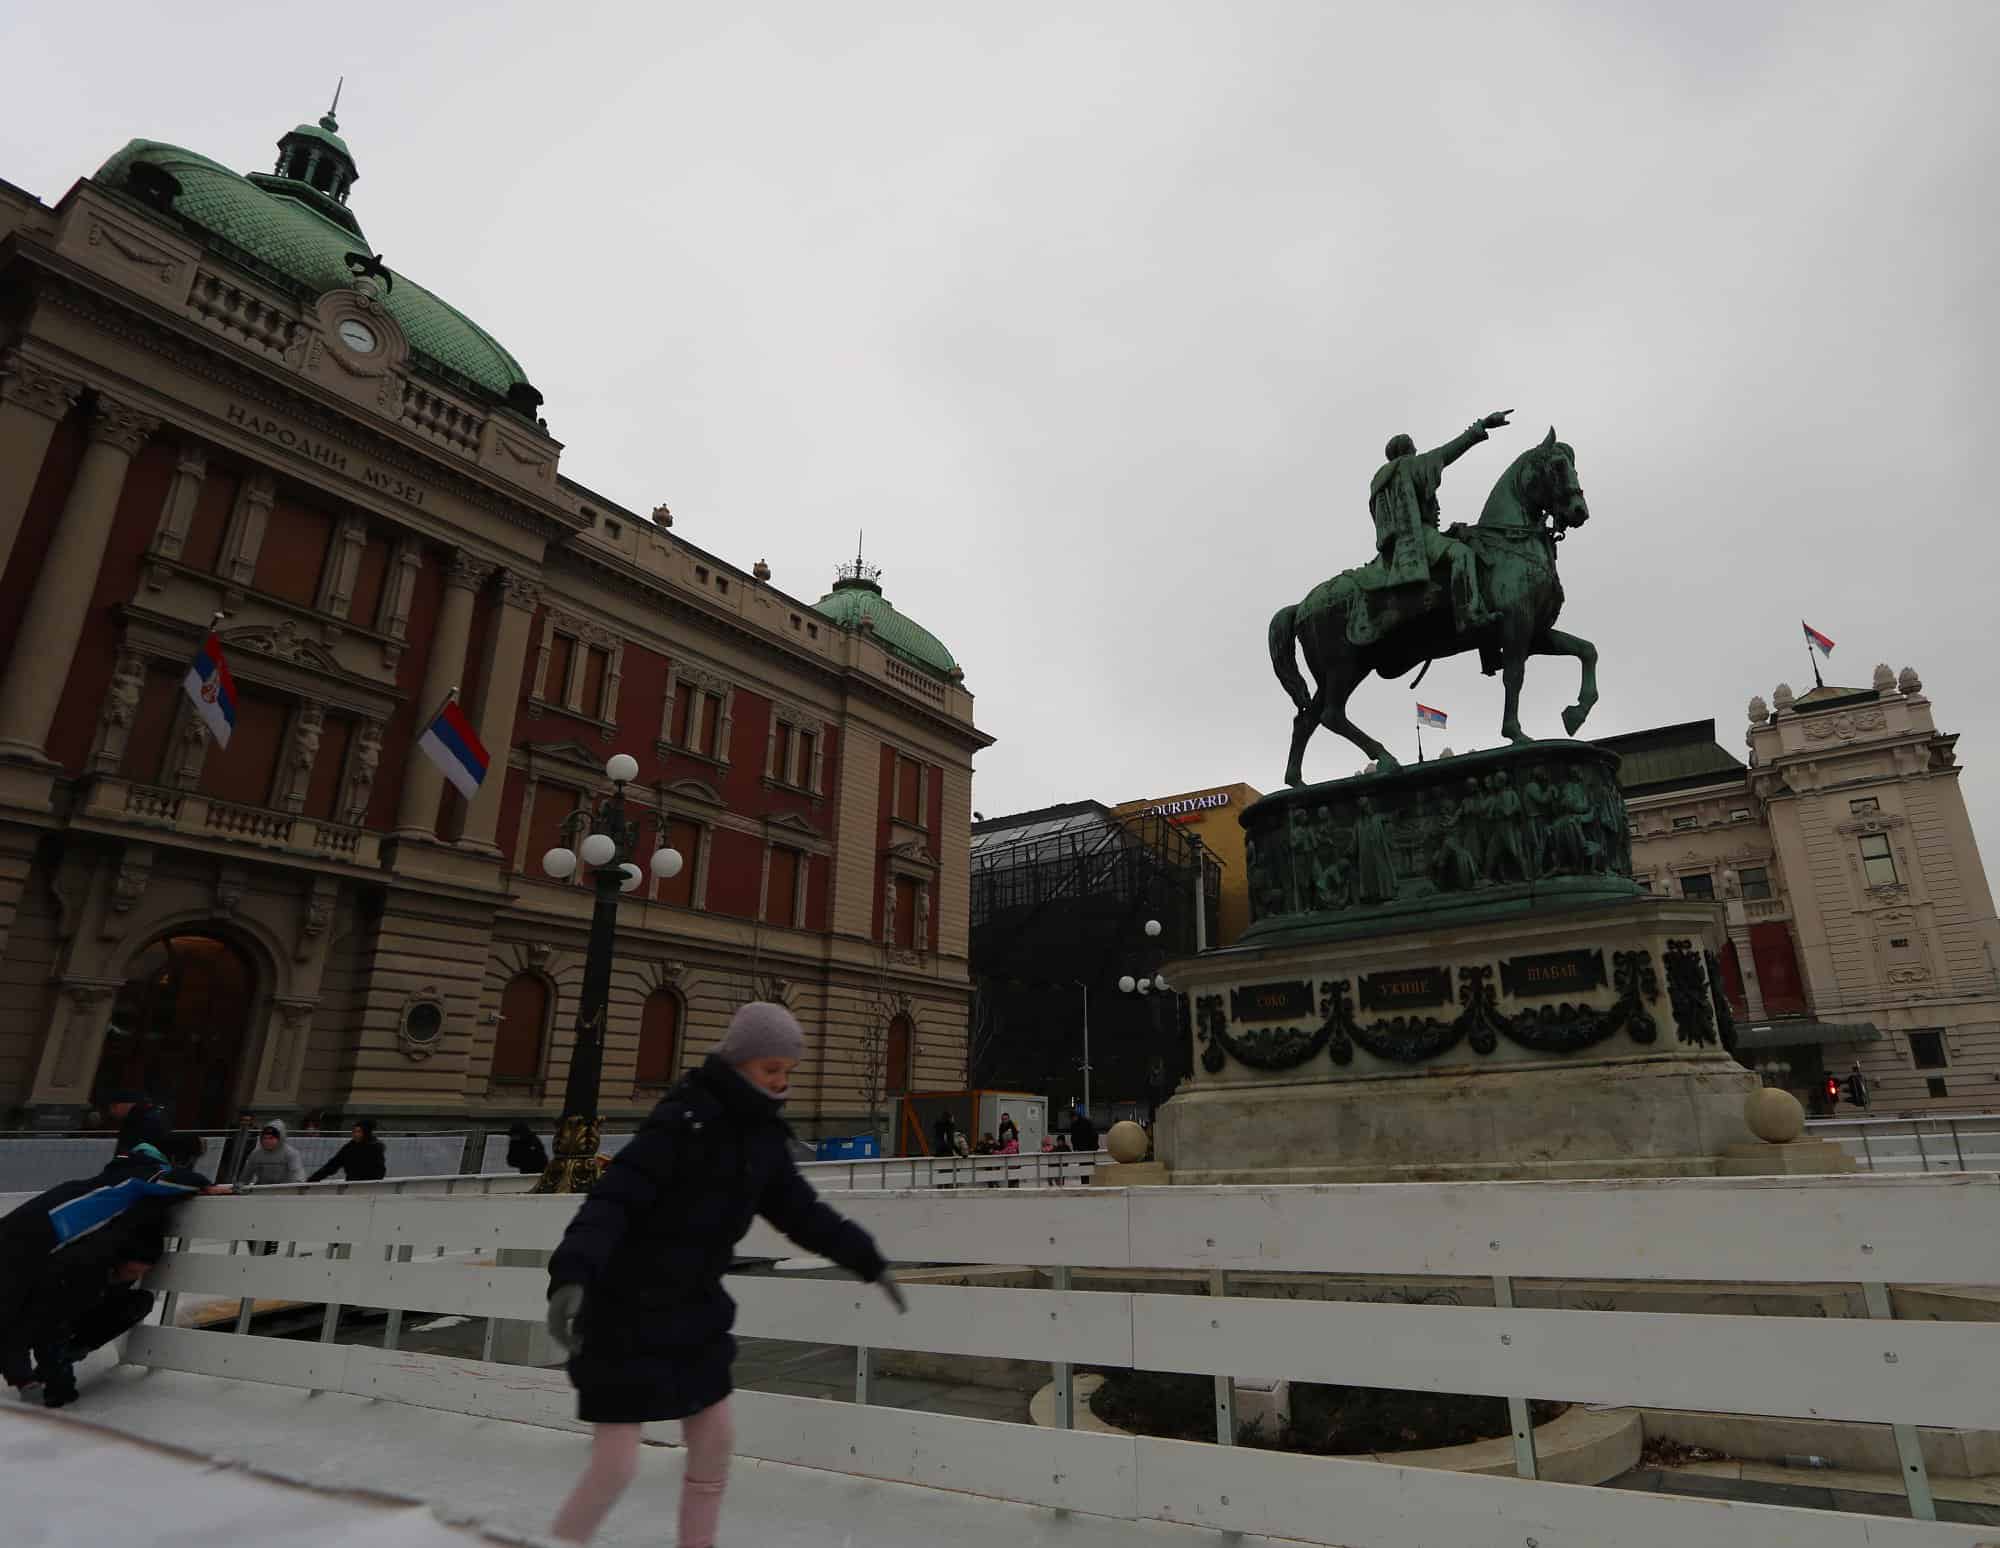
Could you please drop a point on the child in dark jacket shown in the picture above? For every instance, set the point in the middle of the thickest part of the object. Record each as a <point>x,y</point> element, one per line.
<point>636,1290</point>
<point>363,1158</point>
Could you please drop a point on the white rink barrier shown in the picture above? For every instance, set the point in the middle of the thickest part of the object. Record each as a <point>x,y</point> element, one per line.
<point>1875,1231</point>
<point>1968,1143</point>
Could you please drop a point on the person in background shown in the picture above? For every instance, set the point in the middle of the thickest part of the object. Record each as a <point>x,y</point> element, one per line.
<point>362,1159</point>
<point>635,1288</point>
<point>140,1121</point>
<point>70,1262</point>
<point>238,1146</point>
<point>1082,1132</point>
<point>525,1151</point>
<point>944,1135</point>
<point>1009,1130</point>
<point>271,1161</point>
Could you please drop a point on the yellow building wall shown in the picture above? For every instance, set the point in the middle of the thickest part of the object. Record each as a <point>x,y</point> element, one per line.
<point>1213,814</point>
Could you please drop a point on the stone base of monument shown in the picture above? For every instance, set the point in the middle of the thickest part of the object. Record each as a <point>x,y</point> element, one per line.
<point>1798,1158</point>
<point>1572,1042</point>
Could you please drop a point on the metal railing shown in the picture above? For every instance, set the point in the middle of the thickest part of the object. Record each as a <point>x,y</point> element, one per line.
<point>486,1263</point>
<point>1962,1143</point>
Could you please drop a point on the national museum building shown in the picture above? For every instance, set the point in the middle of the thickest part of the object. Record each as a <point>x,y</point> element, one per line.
<point>1860,925</point>
<point>213,399</point>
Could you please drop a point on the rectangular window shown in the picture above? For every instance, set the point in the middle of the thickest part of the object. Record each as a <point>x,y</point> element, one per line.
<point>210,523</point>
<point>1681,824</point>
<point>909,788</point>
<point>1878,866</point>
<point>555,687</point>
<point>329,768</point>
<point>1864,804</point>
<point>1702,886</point>
<point>152,725</point>
<point>903,928</point>
<point>685,837</point>
<point>553,804</point>
<point>293,552</point>
<point>1935,1086</point>
<point>1739,814</point>
<point>684,722</point>
<point>711,725</point>
<point>781,894</point>
<point>244,772</point>
<point>806,745</point>
<point>1927,1050</point>
<point>781,755</point>
<point>596,669</point>
<point>1756,881</point>
<point>369,580</point>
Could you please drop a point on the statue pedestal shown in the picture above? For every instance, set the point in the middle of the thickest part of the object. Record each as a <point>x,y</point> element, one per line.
<point>1572,1042</point>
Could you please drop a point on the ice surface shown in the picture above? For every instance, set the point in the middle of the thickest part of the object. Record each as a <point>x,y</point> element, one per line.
<point>72,1478</point>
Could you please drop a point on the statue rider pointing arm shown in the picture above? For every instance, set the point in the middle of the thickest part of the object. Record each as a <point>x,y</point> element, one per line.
<point>1403,499</point>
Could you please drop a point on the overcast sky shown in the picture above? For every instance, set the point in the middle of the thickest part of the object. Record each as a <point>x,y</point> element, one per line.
<point>1097,316</point>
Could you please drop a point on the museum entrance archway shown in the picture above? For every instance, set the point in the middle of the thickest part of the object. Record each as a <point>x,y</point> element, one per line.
<point>179,1027</point>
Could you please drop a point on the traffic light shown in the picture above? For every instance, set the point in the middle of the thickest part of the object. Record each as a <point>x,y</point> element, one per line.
<point>1833,1091</point>
<point>1857,1089</point>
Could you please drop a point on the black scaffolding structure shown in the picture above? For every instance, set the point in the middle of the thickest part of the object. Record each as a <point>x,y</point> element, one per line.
<point>1060,901</point>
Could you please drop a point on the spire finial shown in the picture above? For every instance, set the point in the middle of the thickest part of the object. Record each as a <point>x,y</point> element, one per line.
<point>328,122</point>
<point>860,570</point>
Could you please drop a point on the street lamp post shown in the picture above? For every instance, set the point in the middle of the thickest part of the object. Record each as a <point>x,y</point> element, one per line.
<point>607,848</point>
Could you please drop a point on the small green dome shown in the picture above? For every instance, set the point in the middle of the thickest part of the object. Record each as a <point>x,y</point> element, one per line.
<point>856,596</point>
<point>298,237</point>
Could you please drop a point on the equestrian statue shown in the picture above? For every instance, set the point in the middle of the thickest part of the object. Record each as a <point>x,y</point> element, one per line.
<point>1428,592</point>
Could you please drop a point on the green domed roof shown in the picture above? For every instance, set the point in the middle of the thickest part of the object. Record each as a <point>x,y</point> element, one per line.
<point>857,596</point>
<point>279,231</point>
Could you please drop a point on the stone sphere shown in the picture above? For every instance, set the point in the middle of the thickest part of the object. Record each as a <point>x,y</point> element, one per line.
<point>1774,1116</point>
<point>1126,1141</point>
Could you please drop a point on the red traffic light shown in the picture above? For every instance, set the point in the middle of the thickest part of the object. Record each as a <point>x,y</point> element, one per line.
<point>1833,1088</point>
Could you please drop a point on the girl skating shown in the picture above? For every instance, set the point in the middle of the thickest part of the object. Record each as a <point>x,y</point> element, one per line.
<point>635,1289</point>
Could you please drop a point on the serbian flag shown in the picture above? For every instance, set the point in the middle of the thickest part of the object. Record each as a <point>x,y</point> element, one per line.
<point>1426,716</point>
<point>450,742</point>
<point>1814,638</point>
<point>213,691</point>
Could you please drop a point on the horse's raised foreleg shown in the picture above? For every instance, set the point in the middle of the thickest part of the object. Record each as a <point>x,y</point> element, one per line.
<point>1553,642</point>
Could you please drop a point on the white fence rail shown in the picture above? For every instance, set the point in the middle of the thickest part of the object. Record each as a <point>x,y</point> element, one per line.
<point>1946,1144</point>
<point>1871,1231</point>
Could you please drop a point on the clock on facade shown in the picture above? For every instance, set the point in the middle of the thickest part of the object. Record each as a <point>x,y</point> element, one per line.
<point>356,335</point>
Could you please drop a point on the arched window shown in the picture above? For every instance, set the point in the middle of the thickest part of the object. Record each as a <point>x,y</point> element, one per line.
<point>659,1039</point>
<point>896,1058</point>
<point>177,1029</point>
<point>524,1021</point>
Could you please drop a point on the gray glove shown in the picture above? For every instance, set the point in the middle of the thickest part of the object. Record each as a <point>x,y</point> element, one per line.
<point>565,1304</point>
<point>894,1292</point>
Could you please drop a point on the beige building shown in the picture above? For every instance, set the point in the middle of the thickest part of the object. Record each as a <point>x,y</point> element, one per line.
<point>213,400</point>
<point>1860,922</point>
<point>1212,816</point>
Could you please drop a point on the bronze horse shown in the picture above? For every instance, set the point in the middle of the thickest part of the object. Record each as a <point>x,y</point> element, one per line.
<point>1536,501</point>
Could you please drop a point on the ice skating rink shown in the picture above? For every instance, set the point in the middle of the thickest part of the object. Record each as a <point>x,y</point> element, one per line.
<point>172,1460</point>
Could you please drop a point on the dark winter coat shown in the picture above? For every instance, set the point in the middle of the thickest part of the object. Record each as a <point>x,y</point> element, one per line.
<point>652,1242</point>
<point>145,1124</point>
<point>525,1151</point>
<point>1083,1133</point>
<point>69,1238</point>
<point>358,1161</point>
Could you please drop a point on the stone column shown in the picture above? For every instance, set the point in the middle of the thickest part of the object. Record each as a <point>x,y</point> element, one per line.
<point>499,696</point>
<point>32,689</point>
<point>416,814</point>
<point>176,515</point>
<point>33,402</point>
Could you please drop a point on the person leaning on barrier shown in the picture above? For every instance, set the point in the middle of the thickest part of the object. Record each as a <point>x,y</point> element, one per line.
<point>70,1262</point>
<point>140,1120</point>
<point>362,1159</point>
<point>269,1163</point>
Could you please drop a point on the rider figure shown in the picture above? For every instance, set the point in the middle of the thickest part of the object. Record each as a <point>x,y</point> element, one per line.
<point>1403,499</point>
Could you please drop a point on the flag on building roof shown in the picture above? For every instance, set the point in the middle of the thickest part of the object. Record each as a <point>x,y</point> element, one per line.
<point>213,691</point>
<point>1817,640</point>
<point>1426,716</point>
<point>450,742</point>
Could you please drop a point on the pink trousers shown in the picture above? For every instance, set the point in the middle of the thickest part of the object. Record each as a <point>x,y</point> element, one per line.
<point>614,1460</point>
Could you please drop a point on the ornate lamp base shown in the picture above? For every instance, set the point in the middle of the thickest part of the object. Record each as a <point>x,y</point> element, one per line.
<point>576,1165</point>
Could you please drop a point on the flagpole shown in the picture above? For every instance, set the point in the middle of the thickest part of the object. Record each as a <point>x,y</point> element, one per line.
<point>1420,741</point>
<point>1818,682</point>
